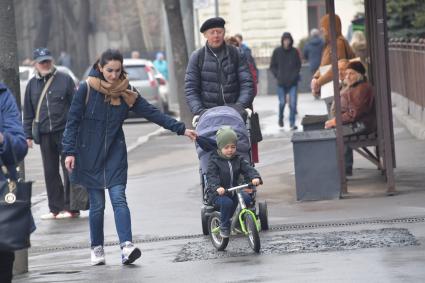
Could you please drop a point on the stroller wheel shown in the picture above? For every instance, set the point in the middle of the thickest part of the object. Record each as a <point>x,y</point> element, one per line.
<point>263,215</point>
<point>218,242</point>
<point>204,221</point>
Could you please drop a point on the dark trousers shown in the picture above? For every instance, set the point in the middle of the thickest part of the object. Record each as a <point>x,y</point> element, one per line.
<point>348,155</point>
<point>228,206</point>
<point>57,191</point>
<point>6,266</point>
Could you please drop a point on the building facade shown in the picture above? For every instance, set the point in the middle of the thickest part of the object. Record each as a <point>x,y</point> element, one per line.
<point>262,22</point>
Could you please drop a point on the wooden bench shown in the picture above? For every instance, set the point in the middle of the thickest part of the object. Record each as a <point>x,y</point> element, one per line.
<point>360,144</point>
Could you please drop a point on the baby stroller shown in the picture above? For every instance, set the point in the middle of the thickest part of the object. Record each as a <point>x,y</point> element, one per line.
<point>207,127</point>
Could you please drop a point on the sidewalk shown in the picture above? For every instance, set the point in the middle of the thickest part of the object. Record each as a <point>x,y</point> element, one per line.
<point>164,197</point>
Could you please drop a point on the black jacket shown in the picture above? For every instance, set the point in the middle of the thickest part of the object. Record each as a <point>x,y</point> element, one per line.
<point>285,66</point>
<point>204,88</point>
<point>55,106</point>
<point>225,173</point>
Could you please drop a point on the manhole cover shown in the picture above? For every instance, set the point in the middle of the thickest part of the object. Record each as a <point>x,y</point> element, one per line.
<point>301,243</point>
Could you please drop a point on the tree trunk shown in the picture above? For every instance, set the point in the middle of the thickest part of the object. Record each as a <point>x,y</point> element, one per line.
<point>187,11</point>
<point>9,71</point>
<point>83,38</point>
<point>130,17</point>
<point>81,28</point>
<point>9,75</point>
<point>180,55</point>
<point>43,30</point>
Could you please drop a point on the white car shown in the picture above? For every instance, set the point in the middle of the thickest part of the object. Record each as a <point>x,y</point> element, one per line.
<point>27,72</point>
<point>148,81</point>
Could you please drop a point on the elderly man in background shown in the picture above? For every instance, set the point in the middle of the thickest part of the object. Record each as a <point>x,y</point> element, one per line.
<point>57,89</point>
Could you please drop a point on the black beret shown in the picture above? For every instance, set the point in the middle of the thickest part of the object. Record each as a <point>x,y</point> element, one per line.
<point>357,66</point>
<point>212,23</point>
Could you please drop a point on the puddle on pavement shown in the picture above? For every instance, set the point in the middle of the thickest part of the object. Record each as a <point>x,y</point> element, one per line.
<point>301,243</point>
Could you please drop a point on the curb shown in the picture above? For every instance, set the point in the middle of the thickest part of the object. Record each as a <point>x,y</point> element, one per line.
<point>143,139</point>
<point>416,128</point>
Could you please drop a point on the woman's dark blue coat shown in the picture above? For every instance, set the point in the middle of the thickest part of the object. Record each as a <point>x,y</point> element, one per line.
<point>94,135</point>
<point>14,146</point>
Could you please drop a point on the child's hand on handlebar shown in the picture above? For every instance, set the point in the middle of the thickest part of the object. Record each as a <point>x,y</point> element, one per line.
<point>221,191</point>
<point>256,181</point>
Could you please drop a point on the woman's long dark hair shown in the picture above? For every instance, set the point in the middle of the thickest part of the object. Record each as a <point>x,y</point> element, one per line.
<point>109,55</point>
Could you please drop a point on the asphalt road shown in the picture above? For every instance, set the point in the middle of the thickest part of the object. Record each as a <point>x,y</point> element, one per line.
<point>366,237</point>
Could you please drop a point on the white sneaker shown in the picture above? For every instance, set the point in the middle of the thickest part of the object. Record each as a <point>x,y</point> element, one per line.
<point>129,253</point>
<point>49,216</point>
<point>97,255</point>
<point>67,214</point>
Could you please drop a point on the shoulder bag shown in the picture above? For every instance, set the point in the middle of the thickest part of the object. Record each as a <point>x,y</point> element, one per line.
<point>36,121</point>
<point>79,197</point>
<point>16,221</point>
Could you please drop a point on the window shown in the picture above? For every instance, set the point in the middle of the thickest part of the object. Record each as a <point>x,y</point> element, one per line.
<point>316,9</point>
<point>136,73</point>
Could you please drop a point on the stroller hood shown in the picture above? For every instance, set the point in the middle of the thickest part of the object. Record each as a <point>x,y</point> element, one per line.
<point>215,118</point>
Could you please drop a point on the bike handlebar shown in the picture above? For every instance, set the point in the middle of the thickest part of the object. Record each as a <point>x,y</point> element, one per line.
<point>239,187</point>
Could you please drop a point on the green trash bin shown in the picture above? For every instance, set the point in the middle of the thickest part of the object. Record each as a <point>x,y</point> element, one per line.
<point>317,175</point>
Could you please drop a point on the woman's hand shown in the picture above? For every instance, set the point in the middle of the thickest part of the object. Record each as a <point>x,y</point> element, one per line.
<point>29,143</point>
<point>221,191</point>
<point>330,123</point>
<point>191,134</point>
<point>70,163</point>
<point>315,88</point>
<point>256,181</point>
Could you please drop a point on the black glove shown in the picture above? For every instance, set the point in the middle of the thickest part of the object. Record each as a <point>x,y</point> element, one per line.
<point>240,109</point>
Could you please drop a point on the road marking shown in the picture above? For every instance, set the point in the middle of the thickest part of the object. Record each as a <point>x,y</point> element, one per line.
<point>143,139</point>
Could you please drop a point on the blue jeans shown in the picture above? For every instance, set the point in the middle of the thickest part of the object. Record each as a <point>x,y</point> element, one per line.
<point>121,214</point>
<point>228,206</point>
<point>281,93</point>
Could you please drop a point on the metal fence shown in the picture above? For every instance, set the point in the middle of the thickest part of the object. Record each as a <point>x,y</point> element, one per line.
<point>262,54</point>
<point>407,68</point>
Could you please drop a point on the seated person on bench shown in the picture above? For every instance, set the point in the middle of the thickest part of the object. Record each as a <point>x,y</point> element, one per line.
<point>357,107</point>
<point>342,67</point>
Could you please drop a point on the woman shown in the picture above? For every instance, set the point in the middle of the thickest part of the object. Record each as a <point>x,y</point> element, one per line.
<point>13,148</point>
<point>343,51</point>
<point>95,147</point>
<point>357,106</point>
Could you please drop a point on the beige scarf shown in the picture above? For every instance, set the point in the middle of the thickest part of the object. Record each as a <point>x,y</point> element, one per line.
<point>114,92</point>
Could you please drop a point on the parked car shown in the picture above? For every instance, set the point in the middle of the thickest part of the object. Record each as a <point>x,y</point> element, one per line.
<point>163,88</point>
<point>27,72</point>
<point>142,76</point>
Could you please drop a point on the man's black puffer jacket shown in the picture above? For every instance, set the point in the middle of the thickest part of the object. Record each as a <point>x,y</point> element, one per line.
<point>204,88</point>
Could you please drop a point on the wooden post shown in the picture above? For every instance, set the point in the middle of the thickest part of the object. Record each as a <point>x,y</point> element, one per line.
<point>334,59</point>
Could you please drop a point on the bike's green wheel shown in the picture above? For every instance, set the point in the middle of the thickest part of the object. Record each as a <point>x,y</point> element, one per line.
<point>253,236</point>
<point>218,242</point>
